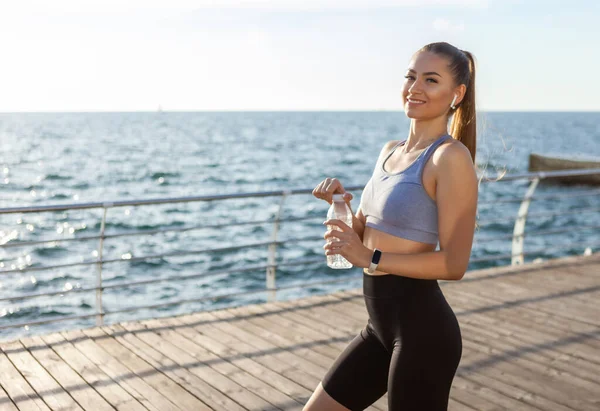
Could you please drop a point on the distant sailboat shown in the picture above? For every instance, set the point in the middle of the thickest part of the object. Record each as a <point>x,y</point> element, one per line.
<point>159,110</point>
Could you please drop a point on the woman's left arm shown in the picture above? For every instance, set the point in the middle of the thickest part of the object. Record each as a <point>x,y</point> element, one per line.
<point>456,197</point>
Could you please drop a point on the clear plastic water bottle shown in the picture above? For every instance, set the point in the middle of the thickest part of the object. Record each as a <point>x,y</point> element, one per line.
<point>338,210</point>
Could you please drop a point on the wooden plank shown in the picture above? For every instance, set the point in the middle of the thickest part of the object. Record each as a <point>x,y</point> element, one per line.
<point>137,387</point>
<point>188,380</point>
<point>77,387</point>
<point>560,392</point>
<point>188,359</point>
<point>462,384</point>
<point>204,323</point>
<point>45,386</point>
<point>258,326</point>
<point>512,391</point>
<point>557,304</point>
<point>190,342</point>
<point>110,390</point>
<point>559,341</point>
<point>573,368</point>
<point>5,401</point>
<point>298,333</point>
<point>454,405</point>
<point>542,321</point>
<point>519,355</point>
<point>157,380</point>
<point>505,319</point>
<point>205,337</point>
<point>17,388</point>
<point>295,356</point>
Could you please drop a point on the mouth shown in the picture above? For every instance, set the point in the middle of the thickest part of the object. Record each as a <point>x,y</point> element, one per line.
<point>414,101</point>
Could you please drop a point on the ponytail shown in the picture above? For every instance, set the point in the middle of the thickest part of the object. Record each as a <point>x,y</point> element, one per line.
<point>464,124</point>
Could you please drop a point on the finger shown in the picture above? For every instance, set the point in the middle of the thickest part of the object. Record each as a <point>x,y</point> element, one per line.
<point>337,223</point>
<point>319,190</point>
<point>329,188</point>
<point>333,234</point>
<point>334,186</point>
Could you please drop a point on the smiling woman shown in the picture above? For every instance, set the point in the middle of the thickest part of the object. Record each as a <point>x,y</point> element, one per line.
<point>423,190</point>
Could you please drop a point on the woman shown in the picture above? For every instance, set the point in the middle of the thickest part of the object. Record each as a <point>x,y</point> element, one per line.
<point>423,190</point>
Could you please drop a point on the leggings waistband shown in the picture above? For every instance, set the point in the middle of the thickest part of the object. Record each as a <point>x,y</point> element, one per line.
<point>392,285</point>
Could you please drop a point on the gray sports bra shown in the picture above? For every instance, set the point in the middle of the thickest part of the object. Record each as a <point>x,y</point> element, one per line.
<point>397,203</point>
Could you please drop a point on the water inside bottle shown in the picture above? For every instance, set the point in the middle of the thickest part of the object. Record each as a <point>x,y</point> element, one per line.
<point>338,210</point>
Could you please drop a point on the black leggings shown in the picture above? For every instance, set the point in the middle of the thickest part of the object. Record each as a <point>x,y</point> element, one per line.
<point>410,348</point>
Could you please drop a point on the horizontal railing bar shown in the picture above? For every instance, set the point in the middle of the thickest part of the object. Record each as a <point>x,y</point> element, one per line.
<point>133,283</point>
<point>547,214</point>
<point>46,321</point>
<point>275,193</point>
<point>133,233</point>
<point>151,232</point>
<point>159,280</point>
<point>154,201</point>
<point>535,233</point>
<point>541,197</point>
<point>136,259</point>
<point>539,250</point>
<point>190,300</point>
<point>543,175</point>
<point>572,211</point>
<point>150,257</point>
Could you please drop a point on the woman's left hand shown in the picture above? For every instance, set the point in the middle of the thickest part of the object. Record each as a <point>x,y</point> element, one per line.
<point>349,245</point>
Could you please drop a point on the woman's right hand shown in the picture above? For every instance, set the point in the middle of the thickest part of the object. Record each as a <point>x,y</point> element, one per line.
<point>328,187</point>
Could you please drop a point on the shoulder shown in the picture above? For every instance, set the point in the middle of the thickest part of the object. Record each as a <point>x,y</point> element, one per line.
<point>452,153</point>
<point>453,160</point>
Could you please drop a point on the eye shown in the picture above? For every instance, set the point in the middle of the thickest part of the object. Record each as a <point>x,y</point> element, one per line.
<point>409,76</point>
<point>434,81</point>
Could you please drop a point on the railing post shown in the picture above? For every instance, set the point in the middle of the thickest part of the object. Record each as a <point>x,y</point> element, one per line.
<point>99,310</point>
<point>271,271</point>
<point>519,230</point>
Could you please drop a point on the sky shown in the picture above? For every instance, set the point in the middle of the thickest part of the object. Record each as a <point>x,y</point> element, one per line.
<point>120,55</point>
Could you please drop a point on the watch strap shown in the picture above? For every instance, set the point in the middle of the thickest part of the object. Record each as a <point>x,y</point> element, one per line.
<point>374,261</point>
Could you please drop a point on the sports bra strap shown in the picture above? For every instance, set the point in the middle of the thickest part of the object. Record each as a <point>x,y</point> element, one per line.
<point>428,152</point>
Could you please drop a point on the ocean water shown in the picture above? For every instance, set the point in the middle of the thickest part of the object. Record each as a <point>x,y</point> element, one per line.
<point>62,158</point>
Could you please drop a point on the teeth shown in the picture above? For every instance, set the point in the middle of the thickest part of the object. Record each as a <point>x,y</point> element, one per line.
<point>416,101</point>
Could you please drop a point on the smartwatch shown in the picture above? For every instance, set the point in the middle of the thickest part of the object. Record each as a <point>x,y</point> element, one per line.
<point>374,261</point>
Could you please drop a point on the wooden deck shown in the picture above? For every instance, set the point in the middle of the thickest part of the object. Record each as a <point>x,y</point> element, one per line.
<point>530,342</point>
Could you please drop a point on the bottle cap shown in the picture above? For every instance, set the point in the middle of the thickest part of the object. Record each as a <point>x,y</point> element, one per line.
<point>338,197</point>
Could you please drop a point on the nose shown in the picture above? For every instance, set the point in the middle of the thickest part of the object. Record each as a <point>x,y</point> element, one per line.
<point>415,88</point>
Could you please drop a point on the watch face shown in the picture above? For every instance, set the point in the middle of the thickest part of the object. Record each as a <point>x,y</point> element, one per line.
<point>376,256</point>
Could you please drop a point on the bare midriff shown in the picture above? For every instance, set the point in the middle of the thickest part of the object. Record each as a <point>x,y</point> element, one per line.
<point>373,238</point>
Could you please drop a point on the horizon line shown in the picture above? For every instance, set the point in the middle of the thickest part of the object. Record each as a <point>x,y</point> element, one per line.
<point>164,111</point>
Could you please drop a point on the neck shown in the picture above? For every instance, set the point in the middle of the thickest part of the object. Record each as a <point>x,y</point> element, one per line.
<point>424,132</point>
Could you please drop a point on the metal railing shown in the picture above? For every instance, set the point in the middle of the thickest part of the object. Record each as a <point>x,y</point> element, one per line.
<point>517,254</point>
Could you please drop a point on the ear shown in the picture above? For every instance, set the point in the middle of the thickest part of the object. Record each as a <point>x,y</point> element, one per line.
<point>460,92</point>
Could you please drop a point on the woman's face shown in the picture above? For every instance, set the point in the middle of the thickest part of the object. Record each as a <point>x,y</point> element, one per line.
<point>428,87</point>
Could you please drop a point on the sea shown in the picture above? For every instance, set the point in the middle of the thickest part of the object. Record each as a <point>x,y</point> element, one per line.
<point>75,158</point>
